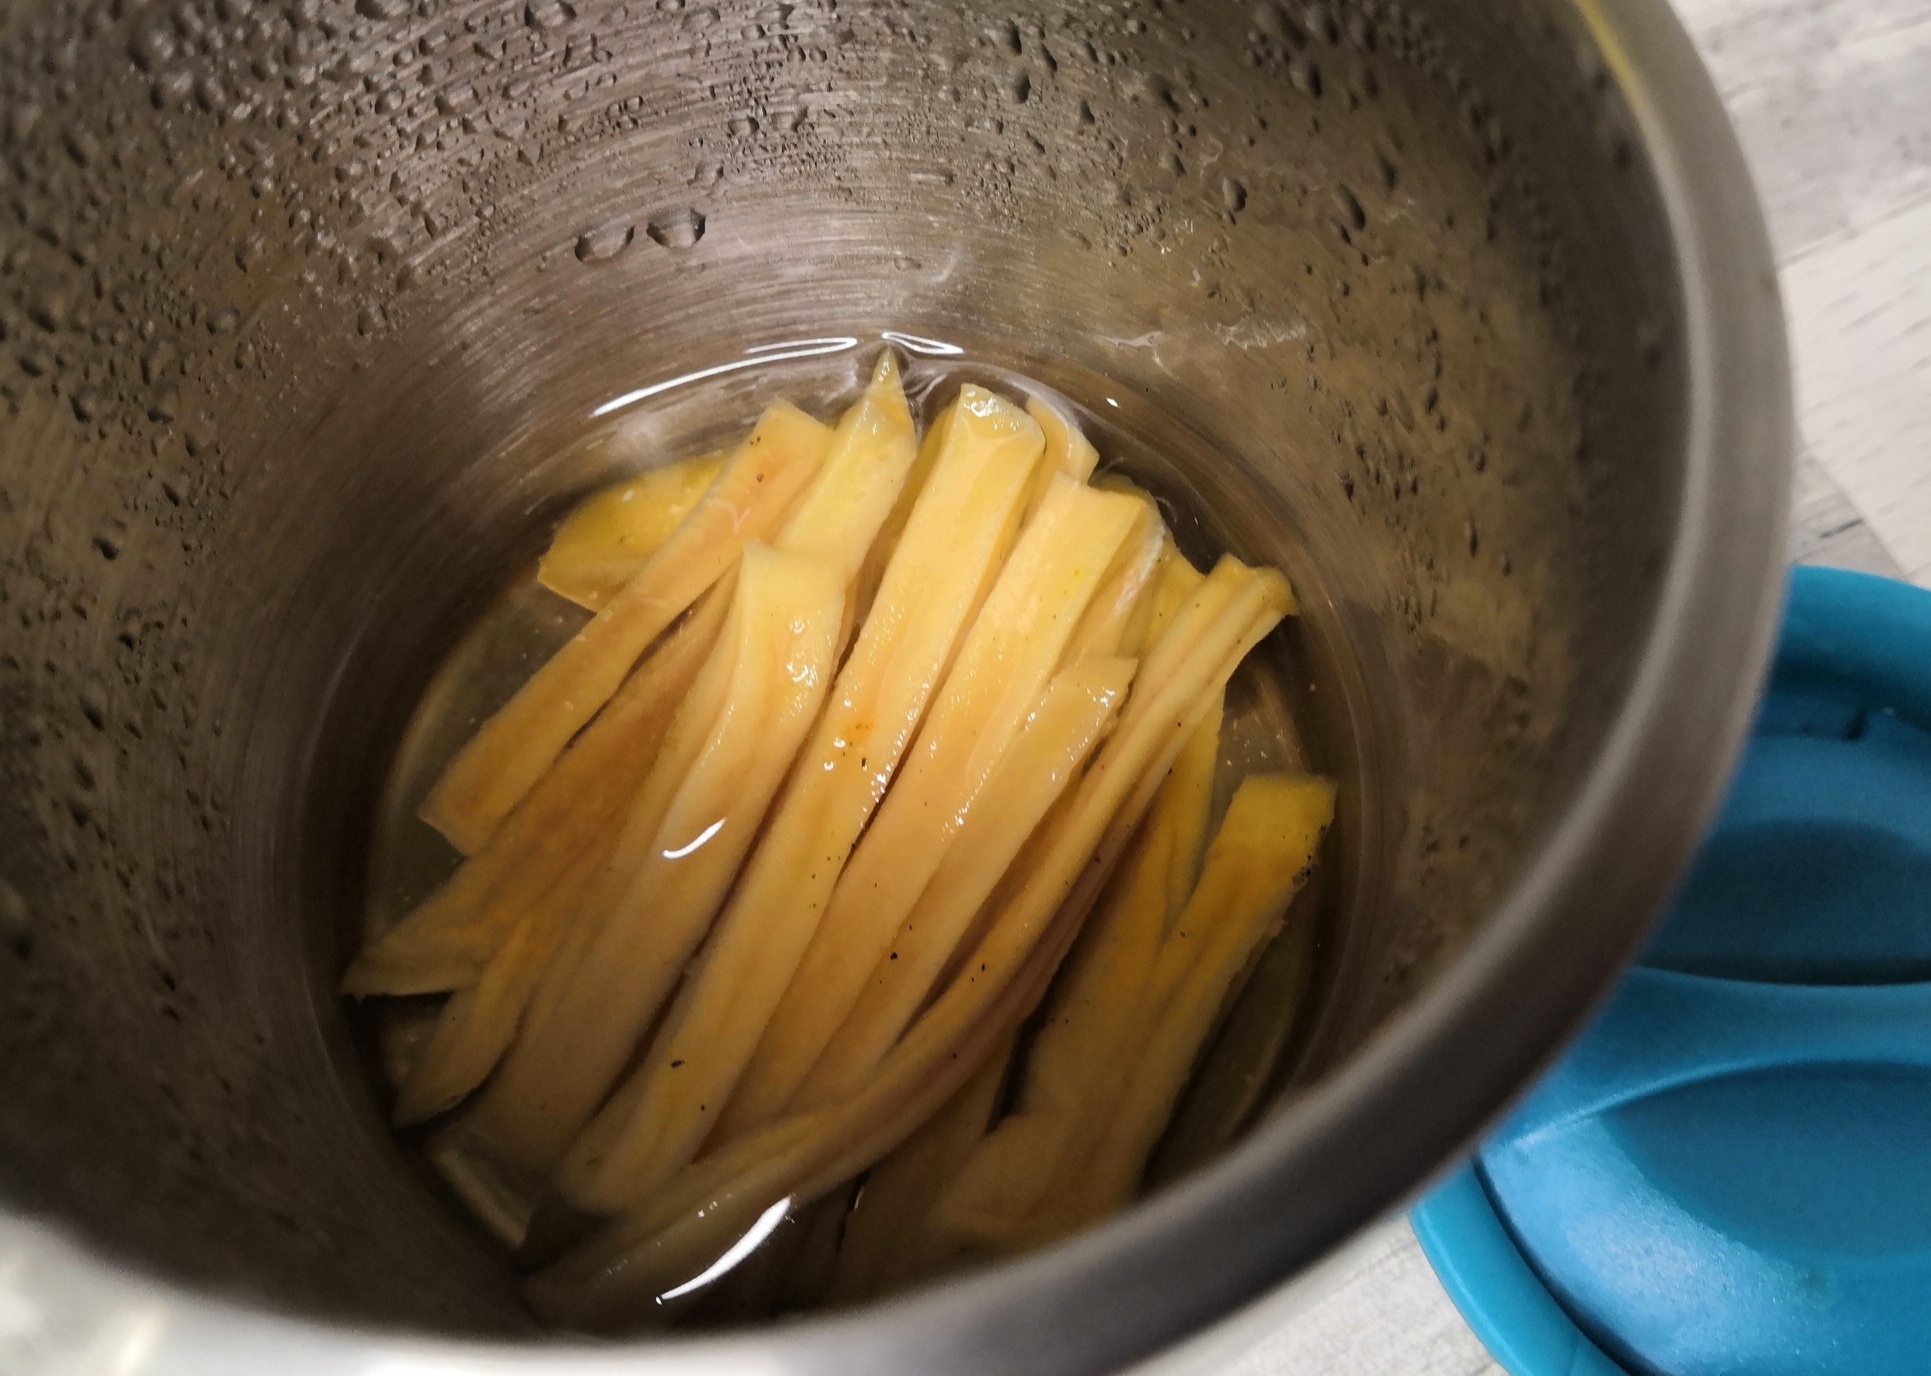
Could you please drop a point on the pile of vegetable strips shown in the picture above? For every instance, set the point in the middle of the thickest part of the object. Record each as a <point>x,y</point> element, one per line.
<point>874,744</point>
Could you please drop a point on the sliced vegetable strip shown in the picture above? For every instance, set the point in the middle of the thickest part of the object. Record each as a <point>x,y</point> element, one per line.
<point>886,1243</point>
<point>759,485</point>
<point>611,535</point>
<point>1073,711</point>
<point>923,606</point>
<point>1094,1018</point>
<point>1068,452</point>
<point>889,534</point>
<point>837,519</point>
<point>700,1212</point>
<point>1102,630</point>
<point>1258,860</point>
<point>1006,659</point>
<point>832,524</point>
<point>445,941</point>
<point>654,899</point>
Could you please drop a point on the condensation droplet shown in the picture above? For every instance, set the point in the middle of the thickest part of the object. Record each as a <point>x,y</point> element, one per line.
<point>171,89</point>
<point>605,241</point>
<point>547,14</point>
<point>49,309</point>
<point>153,46</point>
<point>16,921</point>
<point>1351,207</point>
<point>676,228</point>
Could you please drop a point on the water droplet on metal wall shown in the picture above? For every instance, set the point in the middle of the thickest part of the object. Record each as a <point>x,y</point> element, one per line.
<point>678,228</point>
<point>605,241</point>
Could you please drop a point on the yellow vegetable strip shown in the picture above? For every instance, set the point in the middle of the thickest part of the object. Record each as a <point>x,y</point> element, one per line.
<point>835,521</point>
<point>1072,713</point>
<point>610,535</point>
<point>476,1025</point>
<point>514,748</point>
<point>838,518</point>
<point>922,610</point>
<point>886,545</point>
<point>496,1151</point>
<point>832,524</point>
<point>1067,449</point>
<point>445,941</point>
<point>1178,580</point>
<point>1139,631</point>
<point>1258,861</point>
<point>1179,833</point>
<point>1102,631</point>
<point>1005,660</point>
<point>1094,1020</point>
<point>699,1213</point>
<point>1213,609</point>
<point>886,1245</point>
<point>654,900</point>
<point>606,1283</point>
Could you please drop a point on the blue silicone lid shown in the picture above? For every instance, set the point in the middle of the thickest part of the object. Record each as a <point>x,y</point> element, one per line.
<point>1729,1173</point>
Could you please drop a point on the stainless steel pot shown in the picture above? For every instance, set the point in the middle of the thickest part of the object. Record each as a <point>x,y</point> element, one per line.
<point>1463,304</point>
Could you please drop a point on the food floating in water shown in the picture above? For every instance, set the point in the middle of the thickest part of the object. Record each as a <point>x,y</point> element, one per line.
<point>851,898</point>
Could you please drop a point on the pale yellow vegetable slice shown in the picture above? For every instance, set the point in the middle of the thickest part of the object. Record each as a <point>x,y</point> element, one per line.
<point>1095,1011</point>
<point>1238,1074</point>
<point>476,1025</point>
<point>1215,606</point>
<point>833,524</point>
<point>445,941</point>
<point>1179,833</point>
<point>1068,452</point>
<point>656,897</point>
<point>886,1244</point>
<point>1139,632</point>
<point>1005,660</point>
<point>496,1160</point>
<point>1258,860</point>
<point>1102,630</point>
<point>612,533</point>
<point>749,501</point>
<point>886,545</point>
<point>838,518</point>
<point>947,550</point>
<point>714,1201</point>
<point>1177,581</point>
<point>1072,713</point>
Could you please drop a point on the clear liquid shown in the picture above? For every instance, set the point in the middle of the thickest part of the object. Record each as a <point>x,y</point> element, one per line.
<point>1246,1065</point>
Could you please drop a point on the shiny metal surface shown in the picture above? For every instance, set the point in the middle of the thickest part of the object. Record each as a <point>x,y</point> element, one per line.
<point>307,308</point>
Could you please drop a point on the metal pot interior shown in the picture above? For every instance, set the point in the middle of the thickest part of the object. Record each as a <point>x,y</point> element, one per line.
<point>308,308</point>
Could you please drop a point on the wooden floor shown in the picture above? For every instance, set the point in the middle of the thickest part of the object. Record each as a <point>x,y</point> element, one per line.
<point>1832,100</point>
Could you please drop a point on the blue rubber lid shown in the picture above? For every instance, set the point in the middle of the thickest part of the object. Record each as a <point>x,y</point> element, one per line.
<point>1730,1171</point>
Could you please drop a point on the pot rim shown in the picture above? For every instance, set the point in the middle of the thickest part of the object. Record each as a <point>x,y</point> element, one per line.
<point>1443,1067</point>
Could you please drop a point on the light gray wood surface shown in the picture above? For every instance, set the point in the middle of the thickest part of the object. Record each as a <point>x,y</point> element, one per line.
<point>1832,101</point>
